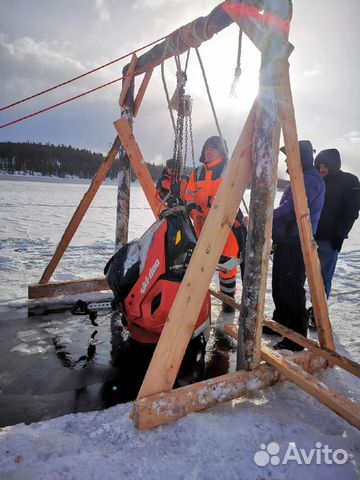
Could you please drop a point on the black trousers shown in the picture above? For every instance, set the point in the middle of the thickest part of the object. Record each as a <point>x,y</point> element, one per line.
<point>288,280</point>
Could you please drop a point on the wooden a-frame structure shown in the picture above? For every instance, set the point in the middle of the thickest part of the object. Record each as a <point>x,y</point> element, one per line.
<point>266,22</point>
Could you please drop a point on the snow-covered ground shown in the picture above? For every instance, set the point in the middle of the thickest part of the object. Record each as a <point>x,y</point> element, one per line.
<point>267,436</point>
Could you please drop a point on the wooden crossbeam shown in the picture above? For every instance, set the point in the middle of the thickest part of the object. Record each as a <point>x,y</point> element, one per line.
<point>330,398</point>
<point>163,408</point>
<point>137,160</point>
<point>58,289</point>
<point>308,245</point>
<point>80,211</point>
<point>185,310</point>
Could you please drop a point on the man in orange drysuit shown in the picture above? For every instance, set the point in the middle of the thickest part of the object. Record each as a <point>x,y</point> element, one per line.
<point>201,190</point>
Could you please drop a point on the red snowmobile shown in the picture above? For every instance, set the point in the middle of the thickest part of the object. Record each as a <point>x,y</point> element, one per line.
<point>145,276</point>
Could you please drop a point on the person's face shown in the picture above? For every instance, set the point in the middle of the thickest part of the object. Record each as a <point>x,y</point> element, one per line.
<point>211,154</point>
<point>323,170</point>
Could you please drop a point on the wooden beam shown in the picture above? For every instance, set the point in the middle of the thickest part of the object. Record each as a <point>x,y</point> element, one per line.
<point>182,317</point>
<point>57,289</point>
<point>128,79</point>
<point>330,398</point>
<point>163,408</point>
<point>308,245</point>
<point>80,211</point>
<point>142,172</point>
<point>141,92</point>
<point>179,41</point>
<point>265,28</point>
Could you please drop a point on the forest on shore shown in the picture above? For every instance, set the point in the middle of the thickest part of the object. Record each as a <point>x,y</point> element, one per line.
<point>64,162</point>
<point>57,161</point>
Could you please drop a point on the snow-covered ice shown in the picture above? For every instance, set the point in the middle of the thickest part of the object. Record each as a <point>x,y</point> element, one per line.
<point>219,443</point>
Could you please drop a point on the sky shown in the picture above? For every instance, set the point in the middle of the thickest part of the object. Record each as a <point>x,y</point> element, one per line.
<point>46,42</point>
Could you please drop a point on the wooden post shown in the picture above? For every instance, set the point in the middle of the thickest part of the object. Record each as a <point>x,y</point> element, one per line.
<point>263,187</point>
<point>274,45</point>
<point>142,172</point>
<point>308,244</point>
<point>126,102</point>
<point>80,211</point>
<point>180,324</point>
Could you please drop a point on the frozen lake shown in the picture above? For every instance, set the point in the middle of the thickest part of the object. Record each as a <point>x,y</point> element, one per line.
<point>34,214</point>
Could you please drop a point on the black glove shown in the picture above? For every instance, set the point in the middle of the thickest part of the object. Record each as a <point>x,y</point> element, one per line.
<point>336,243</point>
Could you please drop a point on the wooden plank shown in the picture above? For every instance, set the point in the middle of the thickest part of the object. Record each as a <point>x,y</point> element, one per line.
<point>80,211</point>
<point>57,289</point>
<point>308,245</point>
<point>128,79</point>
<point>141,92</point>
<point>330,398</point>
<point>182,317</point>
<point>331,356</point>
<point>142,172</point>
<point>163,408</point>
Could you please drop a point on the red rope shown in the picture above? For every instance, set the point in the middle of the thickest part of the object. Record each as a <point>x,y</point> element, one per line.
<point>60,103</point>
<point>137,72</point>
<point>73,80</point>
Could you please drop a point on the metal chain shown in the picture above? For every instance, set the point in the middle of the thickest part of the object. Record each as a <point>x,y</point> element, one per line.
<point>186,140</point>
<point>192,142</point>
<point>177,144</point>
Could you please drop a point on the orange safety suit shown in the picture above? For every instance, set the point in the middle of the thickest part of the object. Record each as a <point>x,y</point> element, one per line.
<point>201,190</point>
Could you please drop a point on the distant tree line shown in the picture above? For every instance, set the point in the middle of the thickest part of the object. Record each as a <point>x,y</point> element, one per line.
<point>57,161</point>
<point>64,161</point>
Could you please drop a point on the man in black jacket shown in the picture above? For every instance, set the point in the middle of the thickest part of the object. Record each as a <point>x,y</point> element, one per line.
<point>341,209</point>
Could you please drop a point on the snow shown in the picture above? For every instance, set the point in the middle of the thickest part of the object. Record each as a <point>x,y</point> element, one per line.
<point>218,443</point>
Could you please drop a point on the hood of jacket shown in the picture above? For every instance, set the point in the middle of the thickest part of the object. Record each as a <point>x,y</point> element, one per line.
<point>306,154</point>
<point>330,158</point>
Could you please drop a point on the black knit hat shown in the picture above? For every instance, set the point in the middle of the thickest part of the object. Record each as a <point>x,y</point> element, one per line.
<point>217,143</point>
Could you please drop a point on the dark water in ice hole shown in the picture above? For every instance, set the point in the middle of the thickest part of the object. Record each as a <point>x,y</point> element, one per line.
<point>52,365</point>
